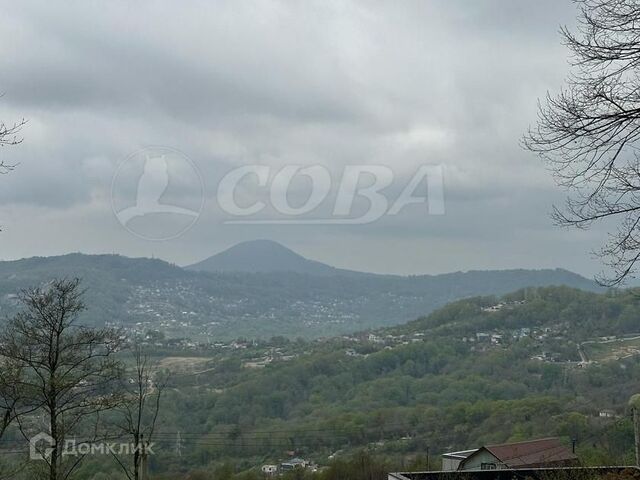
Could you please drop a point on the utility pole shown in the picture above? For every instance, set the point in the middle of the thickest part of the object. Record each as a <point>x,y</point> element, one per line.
<point>634,403</point>
<point>428,460</point>
<point>179,445</point>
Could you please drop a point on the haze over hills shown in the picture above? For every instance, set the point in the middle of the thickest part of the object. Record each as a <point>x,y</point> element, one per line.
<point>148,294</point>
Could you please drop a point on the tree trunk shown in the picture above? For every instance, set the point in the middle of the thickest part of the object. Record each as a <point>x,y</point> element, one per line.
<point>636,429</point>
<point>53,465</point>
<point>136,458</point>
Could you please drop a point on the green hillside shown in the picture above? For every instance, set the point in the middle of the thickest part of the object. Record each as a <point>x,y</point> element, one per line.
<point>395,392</point>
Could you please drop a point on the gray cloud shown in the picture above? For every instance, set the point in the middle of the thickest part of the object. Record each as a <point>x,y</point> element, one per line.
<point>282,82</point>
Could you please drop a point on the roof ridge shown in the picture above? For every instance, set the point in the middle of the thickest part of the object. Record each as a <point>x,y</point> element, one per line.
<point>522,442</point>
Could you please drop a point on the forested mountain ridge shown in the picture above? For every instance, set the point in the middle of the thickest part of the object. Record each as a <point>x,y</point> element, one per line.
<point>395,390</point>
<point>221,305</point>
<point>587,314</point>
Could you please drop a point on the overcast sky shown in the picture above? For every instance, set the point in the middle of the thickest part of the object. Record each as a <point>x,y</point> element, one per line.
<point>276,83</point>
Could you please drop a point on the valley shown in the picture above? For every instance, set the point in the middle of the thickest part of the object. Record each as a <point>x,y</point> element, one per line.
<point>391,391</point>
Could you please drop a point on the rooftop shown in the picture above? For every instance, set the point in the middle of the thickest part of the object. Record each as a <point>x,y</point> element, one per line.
<point>564,473</point>
<point>532,453</point>
<point>461,455</point>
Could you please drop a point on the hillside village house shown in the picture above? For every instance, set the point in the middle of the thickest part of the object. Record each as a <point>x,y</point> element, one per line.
<point>542,453</point>
<point>293,464</point>
<point>607,414</point>
<point>533,454</point>
<point>552,473</point>
<point>269,469</point>
<point>545,453</point>
<point>451,460</point>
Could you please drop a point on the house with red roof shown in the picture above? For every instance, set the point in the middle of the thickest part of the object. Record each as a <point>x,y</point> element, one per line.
<point>541,453</point>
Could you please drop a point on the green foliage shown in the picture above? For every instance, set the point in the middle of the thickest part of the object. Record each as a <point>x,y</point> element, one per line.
<point>359,416</point>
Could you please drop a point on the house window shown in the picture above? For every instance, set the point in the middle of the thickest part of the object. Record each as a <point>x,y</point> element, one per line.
<point>488,466</point>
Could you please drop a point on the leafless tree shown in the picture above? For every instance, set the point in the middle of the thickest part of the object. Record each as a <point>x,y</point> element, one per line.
<point>10,407</point>
<point>9,136</point>
<point>11,394</point>
<point>588,133</point>
<point>68,372</point>
<point>140,409</point>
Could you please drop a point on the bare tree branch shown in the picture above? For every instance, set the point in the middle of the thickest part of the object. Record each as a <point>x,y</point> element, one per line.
<point>588,134</point>
<point>138,417</point>
<point>9,136</point>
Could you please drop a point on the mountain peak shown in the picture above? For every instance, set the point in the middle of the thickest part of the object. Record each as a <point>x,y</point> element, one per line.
<point>261,244</point>
<point>261,256</point>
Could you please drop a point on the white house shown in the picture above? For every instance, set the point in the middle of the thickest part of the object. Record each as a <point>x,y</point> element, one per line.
<point>293,463</point>
<point>269,469</point>
<point>451,461</point>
